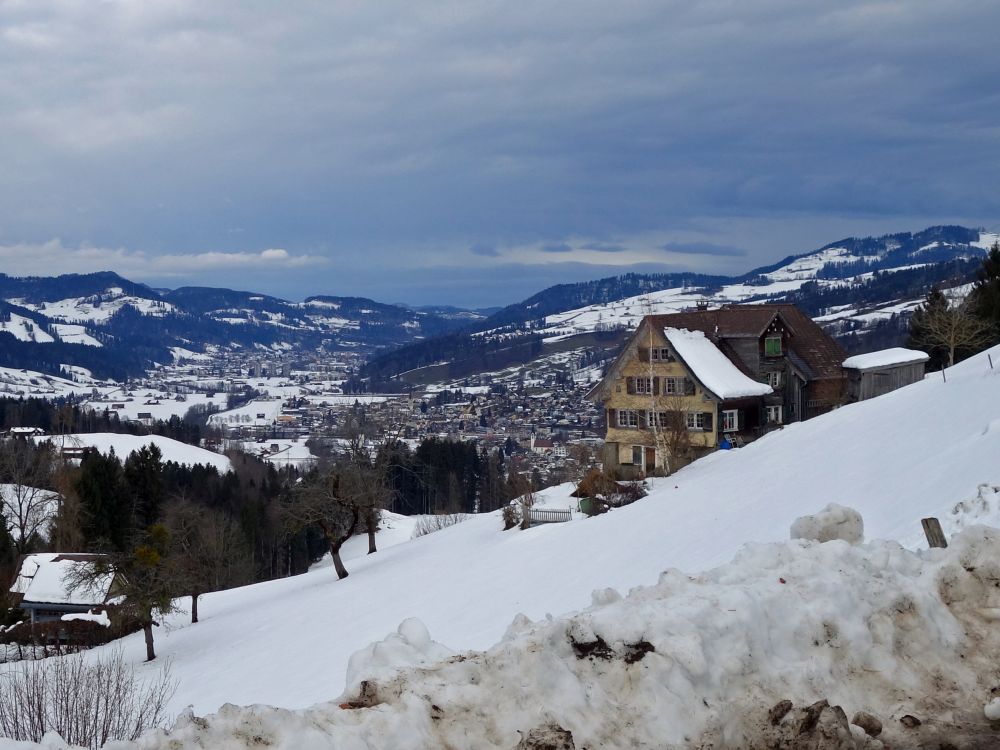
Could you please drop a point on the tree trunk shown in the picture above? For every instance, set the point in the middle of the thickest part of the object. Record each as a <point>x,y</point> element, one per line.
<point>194,607</point>
<point>147,630</point>
<point>337,542</point>
<point>372,523</point>
<point>338,564</point>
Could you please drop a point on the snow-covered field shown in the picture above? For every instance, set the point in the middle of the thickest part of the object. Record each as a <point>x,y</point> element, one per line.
<point>871,627</point>
<point>123,445</point>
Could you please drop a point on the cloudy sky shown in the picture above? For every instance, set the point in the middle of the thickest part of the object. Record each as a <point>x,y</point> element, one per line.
<point>474,152</point>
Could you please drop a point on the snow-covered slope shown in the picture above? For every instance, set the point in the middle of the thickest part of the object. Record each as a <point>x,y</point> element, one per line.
<point>920,451</point>
<point>123,445</point>
<point>714,661</point>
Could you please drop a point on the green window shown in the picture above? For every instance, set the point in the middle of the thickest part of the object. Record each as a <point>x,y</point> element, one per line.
<point>772,346</point>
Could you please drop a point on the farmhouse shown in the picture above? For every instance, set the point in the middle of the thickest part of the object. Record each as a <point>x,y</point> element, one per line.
<point>689,383</point>
<point>44,586</point>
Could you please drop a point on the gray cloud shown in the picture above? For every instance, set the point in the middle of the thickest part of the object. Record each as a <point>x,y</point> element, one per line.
<point>484,249</point>
<point>703,248</point>
<point>366,132</point>
<point>557,247</point>
<point>604,247</point>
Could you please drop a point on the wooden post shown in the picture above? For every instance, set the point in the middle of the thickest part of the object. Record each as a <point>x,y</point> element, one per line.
<point>932,530</point>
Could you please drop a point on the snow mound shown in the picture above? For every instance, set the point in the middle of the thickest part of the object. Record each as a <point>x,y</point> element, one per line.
<point>409,646</point>
<point>715,660</point>
<point>833,522</point>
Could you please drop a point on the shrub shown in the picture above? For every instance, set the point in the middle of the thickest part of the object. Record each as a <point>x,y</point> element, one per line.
<point>430,524</point>
<point>87,704</point>
<point>511,516</point>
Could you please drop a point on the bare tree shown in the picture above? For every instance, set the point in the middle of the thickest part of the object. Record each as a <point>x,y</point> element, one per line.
<point>207,551</point>
<point>26,506</point>
<point>954,328</point>
<point>339,499</point>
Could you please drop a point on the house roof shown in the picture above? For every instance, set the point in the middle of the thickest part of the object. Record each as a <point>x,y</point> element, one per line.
<point>818,353</point>
<point>713,368</point>
<point>885,358</point>
<point>44,578</point>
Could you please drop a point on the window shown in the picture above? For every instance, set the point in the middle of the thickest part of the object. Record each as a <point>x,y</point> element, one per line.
<point>773,414</point>
<point>696,420</point>
<point>730,420</point>
<point>661,355</point>
<point>644,385</point>
<point>637,455</point>
<point>775,379</point>
<point>678,386</point>
<point>665,420</point>
<point>628,418</point>
<point>772,346</point>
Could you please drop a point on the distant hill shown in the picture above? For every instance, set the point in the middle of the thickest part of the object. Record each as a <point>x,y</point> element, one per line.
<point>861,289</point>
<point>117,328</point>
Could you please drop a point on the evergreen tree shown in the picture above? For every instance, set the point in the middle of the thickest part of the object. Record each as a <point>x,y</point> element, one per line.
<point>105,502</point>
<point>985,297</point>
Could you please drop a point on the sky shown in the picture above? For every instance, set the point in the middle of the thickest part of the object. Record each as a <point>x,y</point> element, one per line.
<point>472,153</point>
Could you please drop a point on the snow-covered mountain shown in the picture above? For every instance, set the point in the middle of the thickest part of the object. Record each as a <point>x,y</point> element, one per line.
<point>792,620</point>
<point>861,290</point>
<point>117,328</point>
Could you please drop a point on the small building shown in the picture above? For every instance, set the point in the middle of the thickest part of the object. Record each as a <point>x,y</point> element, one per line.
<point>44,585</point>
<point>24,433</point>
<point>873,374</point>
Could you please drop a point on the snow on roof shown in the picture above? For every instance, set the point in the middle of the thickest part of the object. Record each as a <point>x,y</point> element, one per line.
<point>713,368</point>
<point>43,578</point>
<point>885,358</point>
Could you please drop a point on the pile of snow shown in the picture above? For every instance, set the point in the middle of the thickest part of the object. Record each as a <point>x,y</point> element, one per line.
<point>702,661</point>
<point>833,522</point>
<point>713,368</point>
<point>409,646</point>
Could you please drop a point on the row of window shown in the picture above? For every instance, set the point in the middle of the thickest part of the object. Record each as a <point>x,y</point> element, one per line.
<point>655,385</point>
<point>693,420</point>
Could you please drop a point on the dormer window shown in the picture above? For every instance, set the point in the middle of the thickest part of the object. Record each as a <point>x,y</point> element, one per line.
<point>772,346</point>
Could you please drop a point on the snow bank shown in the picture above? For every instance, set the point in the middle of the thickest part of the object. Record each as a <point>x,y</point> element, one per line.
<point>713,368</point>
<point>885,358</point>
<point>833,522</point>
<point>692,661</point>
<point>409,646</point>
